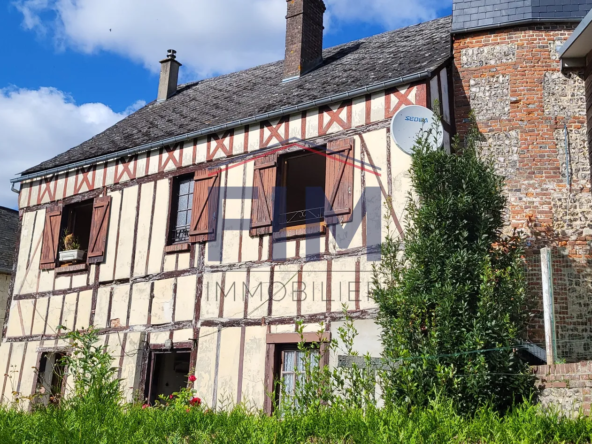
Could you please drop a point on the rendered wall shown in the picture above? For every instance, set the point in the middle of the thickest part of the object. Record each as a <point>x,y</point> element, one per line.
<point>220,298</point>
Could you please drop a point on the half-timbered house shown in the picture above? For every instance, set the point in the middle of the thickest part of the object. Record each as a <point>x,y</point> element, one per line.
<point>201,245</point>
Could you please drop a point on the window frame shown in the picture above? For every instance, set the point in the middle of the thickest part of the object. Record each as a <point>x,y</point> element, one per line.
<point>277,343</point>
<point>46,397</point>
<point>174,188</point>
<point>283,231</point>
<point>148,363</point>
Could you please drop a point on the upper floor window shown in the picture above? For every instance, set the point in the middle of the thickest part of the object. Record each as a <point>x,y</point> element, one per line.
<point>181,207</point>
<point>302,189</point>
<point>299,194</point>
<point>75,232</point>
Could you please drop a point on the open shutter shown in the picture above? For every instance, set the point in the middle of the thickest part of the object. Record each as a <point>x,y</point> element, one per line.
<point>339,181</point>
<point>204,213</point>
<point>98,229</point>
<point>51,237</point>
<point>262,208</point>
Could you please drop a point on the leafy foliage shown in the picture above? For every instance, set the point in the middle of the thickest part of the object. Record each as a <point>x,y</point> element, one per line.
<point>453,304</point>
<point>322,385</point>
<point>438,422</point>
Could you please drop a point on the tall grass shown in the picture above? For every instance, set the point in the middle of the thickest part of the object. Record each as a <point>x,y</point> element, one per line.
<point>437,423</point>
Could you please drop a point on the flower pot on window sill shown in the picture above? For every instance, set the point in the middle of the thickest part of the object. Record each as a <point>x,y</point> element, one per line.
<point>72,255</point>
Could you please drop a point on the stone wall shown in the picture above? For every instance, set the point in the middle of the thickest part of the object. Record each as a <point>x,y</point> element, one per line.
<point>566,387</point>
<point>511,79</point>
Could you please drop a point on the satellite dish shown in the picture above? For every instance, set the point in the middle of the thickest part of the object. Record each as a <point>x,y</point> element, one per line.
<point>410,121</point>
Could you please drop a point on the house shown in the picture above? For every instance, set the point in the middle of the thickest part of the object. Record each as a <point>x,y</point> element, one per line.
<point>9,222</point>
<point>194,245</point>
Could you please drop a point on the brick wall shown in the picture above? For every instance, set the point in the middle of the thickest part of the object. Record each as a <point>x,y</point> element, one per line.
<point>511,79</point>
<point>565,386</point>
<point>304,36</point>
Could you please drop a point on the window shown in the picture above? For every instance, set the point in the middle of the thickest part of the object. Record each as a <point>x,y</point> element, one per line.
<point>167,372</point>
<point>76,222</point>
<point>75,230</point>
<point>285,363</point>
<point>51,378</point>
<point>301,193</point>
<point>181,206</point>
<point>292,367</point>
<point>302,185</point>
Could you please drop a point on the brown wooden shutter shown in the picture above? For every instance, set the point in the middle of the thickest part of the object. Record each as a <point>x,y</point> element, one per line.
<point>339,181</point>
<point>204,212</point>
<point>98,229</point>
<point>262,203</point>
<point>51,237</point>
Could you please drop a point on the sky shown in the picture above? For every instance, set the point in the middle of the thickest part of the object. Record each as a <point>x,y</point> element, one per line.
<point>72,68</point>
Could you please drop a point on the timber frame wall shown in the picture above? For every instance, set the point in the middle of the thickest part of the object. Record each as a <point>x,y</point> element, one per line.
<point>141,292</point>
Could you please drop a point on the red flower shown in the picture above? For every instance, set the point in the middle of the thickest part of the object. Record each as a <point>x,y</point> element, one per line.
<point>192,378</point>
<point>171,396</point>
<point>145,406</point>
<point>187,410</point>
<point>195,400</point>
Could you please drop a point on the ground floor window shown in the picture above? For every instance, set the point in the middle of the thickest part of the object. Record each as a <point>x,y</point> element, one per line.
<point>51,378</point>
<point>286,363</point>
<point>167,373</point>
<point>292,367</point>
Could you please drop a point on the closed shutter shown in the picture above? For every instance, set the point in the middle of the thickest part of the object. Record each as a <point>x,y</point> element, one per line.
<point>98,229</point>
<point>51,237</point>
<point>204,215</point>
<point>339,181</point>
<point>262,208</point>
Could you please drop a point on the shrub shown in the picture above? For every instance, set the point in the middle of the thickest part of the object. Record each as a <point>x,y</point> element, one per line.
<point>453,304</point>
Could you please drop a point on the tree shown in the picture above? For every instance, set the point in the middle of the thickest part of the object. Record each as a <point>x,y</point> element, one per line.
<point>453,302</point>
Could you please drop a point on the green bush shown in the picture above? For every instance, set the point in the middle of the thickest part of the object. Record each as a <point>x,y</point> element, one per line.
<point>438,423</point>
<point>453,304</point>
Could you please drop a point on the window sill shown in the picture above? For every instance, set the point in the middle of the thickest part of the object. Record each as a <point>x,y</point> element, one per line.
<point>177,248</point>
<point>71,269</point>
<point>300,231</point>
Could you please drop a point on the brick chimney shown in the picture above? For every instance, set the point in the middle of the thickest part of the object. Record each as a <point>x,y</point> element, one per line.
<point>304,37</point>
<point>169,75</point>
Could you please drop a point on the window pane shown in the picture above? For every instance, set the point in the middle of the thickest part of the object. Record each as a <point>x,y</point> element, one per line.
<point>184,188</point>
<point>181,219</point>
<point>183,200</point>
<point>301,359</point>
<point>289,361</point>
<point>289,384</point>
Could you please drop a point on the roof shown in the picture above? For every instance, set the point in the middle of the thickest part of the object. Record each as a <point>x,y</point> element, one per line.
<point>483,14</point>
<point>579,43</point>
<point>9,225</point>
<point>212,102</point>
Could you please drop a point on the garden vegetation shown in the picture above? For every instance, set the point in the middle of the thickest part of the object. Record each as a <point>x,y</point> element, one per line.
<point>453,310</point>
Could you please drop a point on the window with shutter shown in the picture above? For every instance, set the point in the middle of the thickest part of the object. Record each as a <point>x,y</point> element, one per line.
<point>51,237</point>
<point>98,231</point>
<point>204,213</point>
<point>300,198</point>
<point>181,209</point>
<point>262,205</point>
<point>339,182</point>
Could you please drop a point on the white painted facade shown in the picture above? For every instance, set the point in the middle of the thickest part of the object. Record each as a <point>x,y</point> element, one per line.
<point>140,295</point>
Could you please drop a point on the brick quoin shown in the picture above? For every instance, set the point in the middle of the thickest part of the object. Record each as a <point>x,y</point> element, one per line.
<point>522,101</point>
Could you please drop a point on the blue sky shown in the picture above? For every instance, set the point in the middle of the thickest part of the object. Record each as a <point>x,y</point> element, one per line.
<point>72,68</point>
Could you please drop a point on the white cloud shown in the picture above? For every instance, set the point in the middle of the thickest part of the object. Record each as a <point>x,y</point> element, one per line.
<point>390,14</point>
<point>38,124</point>
<point>210,36</point>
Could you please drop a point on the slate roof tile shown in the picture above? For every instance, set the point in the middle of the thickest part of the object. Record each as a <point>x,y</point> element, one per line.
<point>248,93</point>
